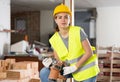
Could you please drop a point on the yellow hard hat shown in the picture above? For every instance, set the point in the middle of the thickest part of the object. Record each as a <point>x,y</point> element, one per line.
<point>61,9</point>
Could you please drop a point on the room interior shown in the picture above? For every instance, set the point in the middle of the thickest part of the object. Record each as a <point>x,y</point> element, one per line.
<point>34,9</point>
<point>34,16</point>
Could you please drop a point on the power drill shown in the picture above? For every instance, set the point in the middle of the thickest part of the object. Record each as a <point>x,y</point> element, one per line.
<point>56,70</point>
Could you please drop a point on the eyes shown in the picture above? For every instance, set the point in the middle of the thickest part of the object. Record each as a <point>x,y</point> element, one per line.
<point>65,17</point>
<point>62,16</point>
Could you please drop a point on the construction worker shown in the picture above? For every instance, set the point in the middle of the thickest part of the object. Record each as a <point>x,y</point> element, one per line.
<point>70,44</point>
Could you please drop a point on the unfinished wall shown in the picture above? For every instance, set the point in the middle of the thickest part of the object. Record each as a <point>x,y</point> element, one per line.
<point>46,25</point>
<point>4,24</point>
<point>108,26</point>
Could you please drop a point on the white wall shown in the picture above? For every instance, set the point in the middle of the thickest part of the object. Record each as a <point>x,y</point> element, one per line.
<point>4,24</point>
<point>108,26</point>
<point>46,25</point>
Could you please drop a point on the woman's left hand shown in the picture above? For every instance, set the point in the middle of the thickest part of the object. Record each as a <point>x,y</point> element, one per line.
<point>69,69</point>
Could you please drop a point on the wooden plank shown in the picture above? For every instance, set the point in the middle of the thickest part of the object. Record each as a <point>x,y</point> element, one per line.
<point>116,55</point>
<point>102,55</point>
<point>103,78</point>
<point>104,48</point>
<point>111,57</point>
<point>105,69</point>
<point>116,62</point>
<point>103,61</point>
<point>115,78</point>
<point>115,70</point>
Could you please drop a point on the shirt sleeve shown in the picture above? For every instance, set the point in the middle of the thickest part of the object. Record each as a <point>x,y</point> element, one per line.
<point>83,35</point>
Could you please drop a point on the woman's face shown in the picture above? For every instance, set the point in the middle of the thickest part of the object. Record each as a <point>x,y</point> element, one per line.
<point>62,20</point>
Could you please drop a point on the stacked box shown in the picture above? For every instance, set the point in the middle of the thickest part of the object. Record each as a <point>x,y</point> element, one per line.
<point>6,64</point>
<point>34,67</point>
<point>3,66</point>
<point>11,71</point>
<point>10,63</point>
<point>17,74</point>
<point>3,75</point>
<point>34,80</point>
<point>0,63</point>
<point>28,65</point>
<point>18,80</point>
<point>3,63</point>
<point>21,65</point>
<point>1,69</point>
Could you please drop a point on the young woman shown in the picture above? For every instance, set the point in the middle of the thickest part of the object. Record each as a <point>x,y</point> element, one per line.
<point>70,44</point>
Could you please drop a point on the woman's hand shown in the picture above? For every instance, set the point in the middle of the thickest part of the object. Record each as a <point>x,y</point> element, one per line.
<point>69,69</point>
<point>47,62</point>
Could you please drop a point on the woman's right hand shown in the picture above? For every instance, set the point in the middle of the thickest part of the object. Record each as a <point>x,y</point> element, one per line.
<point>47,62</point>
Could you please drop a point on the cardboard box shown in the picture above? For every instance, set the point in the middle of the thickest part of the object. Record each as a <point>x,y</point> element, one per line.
<point>3,63</point>
<point>10,62</point>
<point>33,64</point>
<point>20,80</point>
<point>1,69</point>
<point>3,75</point>
<point>34,80</point>
<point>21,65</point>
<point>17,74</point>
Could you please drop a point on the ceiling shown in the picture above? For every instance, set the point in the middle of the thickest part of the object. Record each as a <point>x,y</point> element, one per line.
<point>34,5</point>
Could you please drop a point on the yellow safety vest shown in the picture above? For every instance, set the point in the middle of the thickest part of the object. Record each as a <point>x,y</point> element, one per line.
<point>73,54</point>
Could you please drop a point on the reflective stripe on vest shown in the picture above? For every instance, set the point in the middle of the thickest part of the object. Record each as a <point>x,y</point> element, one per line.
<point>83,67</point>
<point>76,59</point>
<point>86,67</point>
<point>73,60</point>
